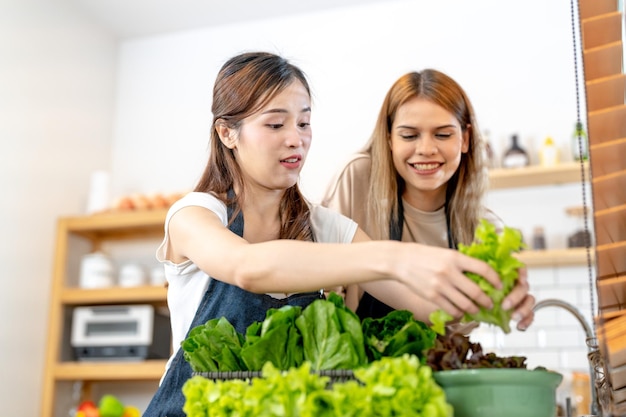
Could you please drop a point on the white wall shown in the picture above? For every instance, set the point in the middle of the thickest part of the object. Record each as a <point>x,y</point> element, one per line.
<point>56,111</point>
<point>65,110</point>
<point>514,59</point>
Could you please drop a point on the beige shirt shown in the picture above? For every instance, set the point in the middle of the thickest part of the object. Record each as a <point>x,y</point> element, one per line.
<point>348,194</point>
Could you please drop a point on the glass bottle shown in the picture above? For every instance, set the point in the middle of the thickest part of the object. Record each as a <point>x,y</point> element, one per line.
<point>539,238</point>
<point>515,156</point>
<point>580,149</point>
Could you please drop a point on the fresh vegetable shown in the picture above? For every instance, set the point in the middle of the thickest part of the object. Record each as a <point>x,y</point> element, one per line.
<point>497,250</point>
<point>213,346</point>
<point>276,339</point>
<point>390,387</point>
<point>455,351</point>
<point>110,406</point>
<point>438,320</point>
<point>332,337</point>
<point>130,411</point>
<point>326,333</point>
<point>400,386</point>
<point>395,334</point>
<point>87,408</point>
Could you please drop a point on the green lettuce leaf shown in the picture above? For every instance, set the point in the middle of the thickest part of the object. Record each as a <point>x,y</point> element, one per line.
<point>396,334</point>
<point>276,339</point>
<point>496,249</point>
<point>213,346</point>
<point>330,336</point>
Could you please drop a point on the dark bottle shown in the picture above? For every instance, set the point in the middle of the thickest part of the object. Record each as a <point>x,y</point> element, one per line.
<point>539,239</point>
<point>515,156</point>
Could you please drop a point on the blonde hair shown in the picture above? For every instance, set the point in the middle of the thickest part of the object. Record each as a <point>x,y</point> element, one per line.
<point>465,190</point>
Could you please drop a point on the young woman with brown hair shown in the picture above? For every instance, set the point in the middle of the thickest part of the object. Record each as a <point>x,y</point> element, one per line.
<point>421,176</point>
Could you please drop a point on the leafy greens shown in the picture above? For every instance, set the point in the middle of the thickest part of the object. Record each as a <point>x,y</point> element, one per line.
<point>399,386</point>
<point>497,250</point>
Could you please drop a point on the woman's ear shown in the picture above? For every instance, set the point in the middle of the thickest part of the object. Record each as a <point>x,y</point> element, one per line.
<point>226,134</point>
<point>467,132</point>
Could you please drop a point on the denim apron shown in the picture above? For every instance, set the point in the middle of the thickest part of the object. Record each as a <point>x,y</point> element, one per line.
<point>240,307</point>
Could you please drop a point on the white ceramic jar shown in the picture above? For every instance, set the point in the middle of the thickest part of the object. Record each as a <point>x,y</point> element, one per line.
<point>96,271</point>
<point>132,275</point>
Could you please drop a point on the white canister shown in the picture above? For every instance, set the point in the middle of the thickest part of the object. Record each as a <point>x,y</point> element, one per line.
<point>96,271</point>
<point>132,275</point>
<point>157,276</point>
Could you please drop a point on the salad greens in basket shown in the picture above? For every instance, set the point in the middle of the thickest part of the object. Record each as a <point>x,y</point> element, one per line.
<point>400,386</point>
<point>327,334</point>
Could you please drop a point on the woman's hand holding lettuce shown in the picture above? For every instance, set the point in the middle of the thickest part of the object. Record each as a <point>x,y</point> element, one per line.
<point>497,250</point>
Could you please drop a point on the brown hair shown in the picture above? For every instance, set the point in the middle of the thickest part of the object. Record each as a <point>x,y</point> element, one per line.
<point>466,188</point>
<point>244,84</point>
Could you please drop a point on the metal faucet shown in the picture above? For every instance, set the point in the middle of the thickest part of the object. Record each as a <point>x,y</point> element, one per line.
<point>591,343</point>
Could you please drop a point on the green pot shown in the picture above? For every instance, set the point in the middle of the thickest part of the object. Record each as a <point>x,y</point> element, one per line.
<point>500,392</point>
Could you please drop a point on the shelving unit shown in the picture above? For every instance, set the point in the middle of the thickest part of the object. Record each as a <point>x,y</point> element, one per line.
<point>555,257</point>
<point>531,176</point>
<point>534,176</point>
<point>90,233</point>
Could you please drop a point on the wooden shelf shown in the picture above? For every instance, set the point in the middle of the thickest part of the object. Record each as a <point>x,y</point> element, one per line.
<point>117,225</point>
<point>568,172</point>
<point>150,370</point>
<point>555,257</point>
<point>114,295</point>
<point>97,229</point>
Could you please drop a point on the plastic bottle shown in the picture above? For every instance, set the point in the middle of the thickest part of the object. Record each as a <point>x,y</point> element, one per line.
<point>549,153</point>
<point>580,149</point>
<point>515,156</point>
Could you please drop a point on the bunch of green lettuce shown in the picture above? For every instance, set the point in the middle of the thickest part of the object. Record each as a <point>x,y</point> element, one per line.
<point>277,393</point>
<point>390,387</point>
<point>497,249</point>
<point>275,339</point>
<point>396,334</point>
<point>332,337</point>
<point>326,333</point>
<point>214,346</point>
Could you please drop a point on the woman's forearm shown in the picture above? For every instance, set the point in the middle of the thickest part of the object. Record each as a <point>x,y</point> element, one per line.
<point>297,266</point>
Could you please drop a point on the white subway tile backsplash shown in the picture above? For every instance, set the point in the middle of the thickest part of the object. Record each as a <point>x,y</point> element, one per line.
<point>546,317</point>
<point>542,338</point>
<point>562,293</point>
<point>566,338</point>
<point>575,359</point>
<point>573,275</point>
<point>542,277</point>
<point>520,340</point>
<point>547,358</point>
